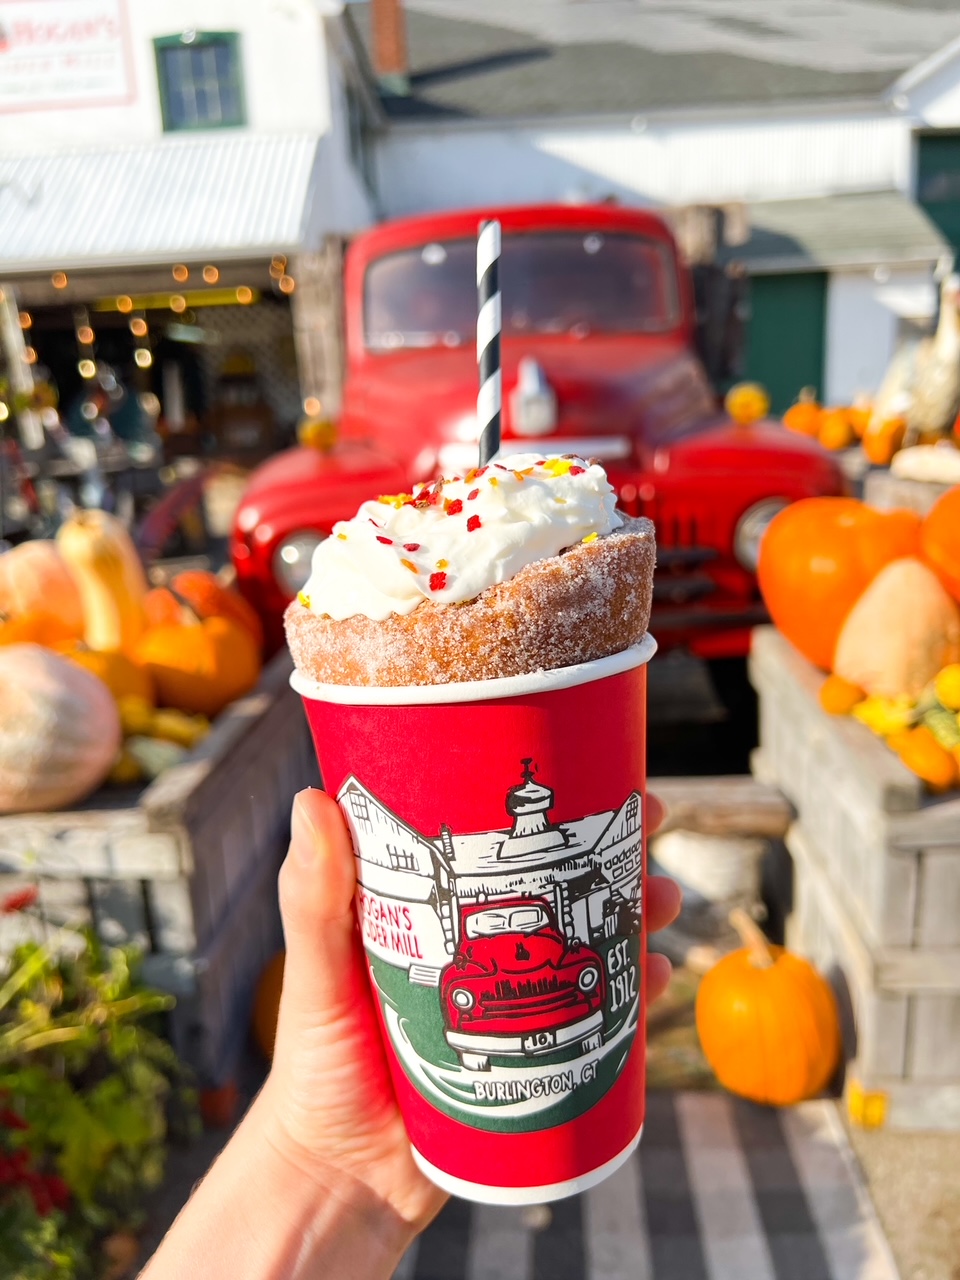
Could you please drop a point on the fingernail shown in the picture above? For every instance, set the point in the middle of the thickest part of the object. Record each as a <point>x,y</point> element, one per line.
<point>304,838</point>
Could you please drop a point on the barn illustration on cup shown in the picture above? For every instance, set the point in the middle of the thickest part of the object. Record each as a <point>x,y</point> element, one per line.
<point>509,924</point>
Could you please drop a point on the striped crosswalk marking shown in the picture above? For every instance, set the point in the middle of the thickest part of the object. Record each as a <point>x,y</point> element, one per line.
<point>719,1190</point>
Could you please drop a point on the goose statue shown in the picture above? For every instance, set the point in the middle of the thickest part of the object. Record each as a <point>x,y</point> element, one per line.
<point>922,384</point>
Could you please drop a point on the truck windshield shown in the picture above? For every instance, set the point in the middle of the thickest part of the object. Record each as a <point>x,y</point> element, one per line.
<point>557,282</point>
<point>486,924</point>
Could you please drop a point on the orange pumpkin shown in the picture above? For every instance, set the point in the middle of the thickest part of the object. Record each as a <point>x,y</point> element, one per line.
<point>209,598</point>
<point>923,755</point>
<point>858,415</point>
<point>37,628</point>
<point>35,578</point>
<point>161,608</point>
<point>804,416</point>
<point>817,558</point>
<point>124,678</point>
<point>839,696</point>
<point>836,431</point>
<point>940,540</point>
<point>883,439</point>
<point>747,402</point>
<point>266,1004</point>
<point>200,667</point>
<point>768,1022</point>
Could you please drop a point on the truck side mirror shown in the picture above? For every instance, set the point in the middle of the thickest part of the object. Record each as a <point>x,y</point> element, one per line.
<point>721,295</point>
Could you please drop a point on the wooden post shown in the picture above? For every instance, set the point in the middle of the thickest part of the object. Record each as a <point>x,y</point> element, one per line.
<point>13,348</point>
<point>317,309</point>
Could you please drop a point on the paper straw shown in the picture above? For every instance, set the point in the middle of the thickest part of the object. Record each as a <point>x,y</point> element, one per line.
<point>489,397</point>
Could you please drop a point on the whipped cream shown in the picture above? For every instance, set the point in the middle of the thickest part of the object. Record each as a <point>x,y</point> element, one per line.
<point>450,540</point>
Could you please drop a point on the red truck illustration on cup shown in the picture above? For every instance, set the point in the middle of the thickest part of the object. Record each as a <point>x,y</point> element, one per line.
<point>528,936</point>
<point>517,987</point>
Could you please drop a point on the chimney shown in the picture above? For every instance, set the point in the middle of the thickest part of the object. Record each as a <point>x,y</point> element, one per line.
<point>390,47</point>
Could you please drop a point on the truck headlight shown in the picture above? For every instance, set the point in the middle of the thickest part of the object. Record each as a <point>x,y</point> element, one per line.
<point>291,560</point>
<point>462,998</point>
<point>589,977</point>
<point>751,527</point>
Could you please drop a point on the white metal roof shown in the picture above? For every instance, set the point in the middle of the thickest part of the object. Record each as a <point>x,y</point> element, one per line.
<point>229,195</point>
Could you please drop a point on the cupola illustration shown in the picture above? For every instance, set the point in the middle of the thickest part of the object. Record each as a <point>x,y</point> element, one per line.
<point>528,804</point>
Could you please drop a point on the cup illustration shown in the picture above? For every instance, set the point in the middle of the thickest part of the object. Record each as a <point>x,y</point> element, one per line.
<point>499,835</point>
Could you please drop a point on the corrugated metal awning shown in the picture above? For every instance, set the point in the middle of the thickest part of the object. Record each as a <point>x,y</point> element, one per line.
<point>832,232</point>
<point>227,196</point>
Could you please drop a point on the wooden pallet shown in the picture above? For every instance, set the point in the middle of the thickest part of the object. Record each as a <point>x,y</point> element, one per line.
<point>876,892</point>
<point>185,868</point>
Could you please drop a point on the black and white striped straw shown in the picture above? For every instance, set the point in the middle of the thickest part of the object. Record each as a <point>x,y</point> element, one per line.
<point>489,397</point>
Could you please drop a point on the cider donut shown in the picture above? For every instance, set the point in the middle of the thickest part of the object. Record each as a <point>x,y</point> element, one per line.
<point>591,600</point>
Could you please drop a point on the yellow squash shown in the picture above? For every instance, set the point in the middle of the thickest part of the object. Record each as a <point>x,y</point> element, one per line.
<point>107,570</point>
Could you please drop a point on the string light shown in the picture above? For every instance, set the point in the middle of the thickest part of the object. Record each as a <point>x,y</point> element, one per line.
<point>286,284</point>
<point>30,355</point>
<point>4,412</point>
<point>178,303</point>
<point>143,357</point>
<point>86,368</point>
<point>26,319</point>
<point>181,273</point>
<point>85,335</point>
<point>244,295</point>
<point>124,304</point>
<point>312,406</point>
<point>59,280</point>
<point>138,327</point>
<point>278,265</point>
<point>211,274</point>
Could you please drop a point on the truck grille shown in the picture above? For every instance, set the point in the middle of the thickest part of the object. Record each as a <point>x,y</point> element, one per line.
<point>541,994</point>
<point>685,547</point>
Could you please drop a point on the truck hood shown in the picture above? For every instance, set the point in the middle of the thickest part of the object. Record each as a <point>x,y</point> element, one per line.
<point>637,390</point>
<point>499,955</point>
<point>312,488</point>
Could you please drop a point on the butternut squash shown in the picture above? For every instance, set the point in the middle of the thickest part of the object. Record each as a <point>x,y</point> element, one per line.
<point>901,632</point>
<point>107,570</point>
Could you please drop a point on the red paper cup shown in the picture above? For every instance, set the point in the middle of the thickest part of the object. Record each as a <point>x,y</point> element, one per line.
<point>500,856</point>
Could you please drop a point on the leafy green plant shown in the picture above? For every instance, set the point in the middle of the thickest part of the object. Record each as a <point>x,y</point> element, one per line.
<point>86,1088</point>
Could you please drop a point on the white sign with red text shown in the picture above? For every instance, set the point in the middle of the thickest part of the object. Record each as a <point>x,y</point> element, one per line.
<point>63,53</point>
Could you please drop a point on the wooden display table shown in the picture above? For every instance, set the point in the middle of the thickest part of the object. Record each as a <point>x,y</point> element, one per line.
<point>185,868</point>
<point>876,900</point>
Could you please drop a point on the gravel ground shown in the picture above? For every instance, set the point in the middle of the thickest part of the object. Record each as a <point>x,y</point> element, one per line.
<point>914,1179</point>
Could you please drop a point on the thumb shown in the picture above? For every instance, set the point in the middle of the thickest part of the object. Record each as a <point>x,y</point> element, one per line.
<point>323,973</point>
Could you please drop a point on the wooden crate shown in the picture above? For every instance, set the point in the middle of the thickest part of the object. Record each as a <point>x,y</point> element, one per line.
<point>876,892</point>
<point>185,868</point>
<point>893,850</point>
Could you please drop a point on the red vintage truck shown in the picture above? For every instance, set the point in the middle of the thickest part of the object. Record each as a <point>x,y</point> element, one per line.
<point>599,354</point>
<point>517,987</point>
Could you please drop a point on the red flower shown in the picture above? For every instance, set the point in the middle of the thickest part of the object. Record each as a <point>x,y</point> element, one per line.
<point>58,1190</point>
<point>19,900</point>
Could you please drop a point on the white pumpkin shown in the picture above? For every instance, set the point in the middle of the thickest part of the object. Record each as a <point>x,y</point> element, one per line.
<point>59,730</point>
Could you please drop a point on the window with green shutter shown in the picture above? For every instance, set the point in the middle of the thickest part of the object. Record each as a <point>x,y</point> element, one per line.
<point>938,181</point>
<point>200,80</point>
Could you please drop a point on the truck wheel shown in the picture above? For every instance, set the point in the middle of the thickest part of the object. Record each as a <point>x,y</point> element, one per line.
<point>475,1061</point>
